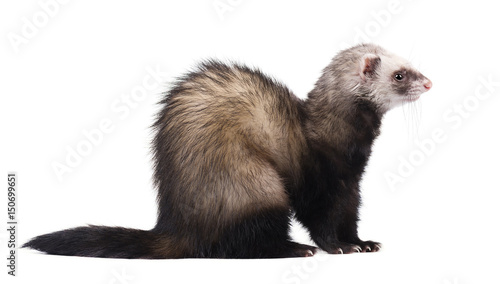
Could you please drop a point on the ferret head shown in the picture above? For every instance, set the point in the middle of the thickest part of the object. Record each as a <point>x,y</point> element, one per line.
<point>382,77</point>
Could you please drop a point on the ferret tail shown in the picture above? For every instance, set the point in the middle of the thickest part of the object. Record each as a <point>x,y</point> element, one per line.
<point>107,242</point>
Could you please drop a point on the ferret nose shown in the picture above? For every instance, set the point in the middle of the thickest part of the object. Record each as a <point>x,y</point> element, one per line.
<point>427,84</point>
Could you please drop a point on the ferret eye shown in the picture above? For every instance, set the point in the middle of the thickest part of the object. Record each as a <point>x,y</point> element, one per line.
<point>398,77</point>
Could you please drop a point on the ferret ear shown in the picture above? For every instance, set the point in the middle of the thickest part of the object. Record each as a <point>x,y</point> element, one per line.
<point>368,65</point>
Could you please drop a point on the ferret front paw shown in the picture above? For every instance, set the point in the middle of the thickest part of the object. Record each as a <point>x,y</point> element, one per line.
<point>370,246</point>
<point>343,248</point>
<point>347,248</point>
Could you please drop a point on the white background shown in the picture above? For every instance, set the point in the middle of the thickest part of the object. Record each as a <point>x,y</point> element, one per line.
<point>82,59</point>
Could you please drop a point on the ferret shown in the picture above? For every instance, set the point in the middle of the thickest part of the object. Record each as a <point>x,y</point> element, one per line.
<point>237,155</point>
